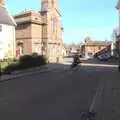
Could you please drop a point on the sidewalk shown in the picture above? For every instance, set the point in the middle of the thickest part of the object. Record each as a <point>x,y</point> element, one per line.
<point>110,109</point>
<point>30,71</point>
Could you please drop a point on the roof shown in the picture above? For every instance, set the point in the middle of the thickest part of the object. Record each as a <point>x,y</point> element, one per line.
<point>98,43</point>
<point>103,51</point>
<point>26,12</point>
<point>5,17</point>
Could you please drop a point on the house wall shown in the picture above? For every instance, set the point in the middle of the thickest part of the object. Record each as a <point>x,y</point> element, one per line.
<point>36,32</point>
<point>24,36</point>
<point>92,49</point>
<point>54,34</point>
<point>7,41</point>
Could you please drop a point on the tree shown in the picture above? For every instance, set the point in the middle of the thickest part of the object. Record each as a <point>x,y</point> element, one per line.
<point>114,34</point>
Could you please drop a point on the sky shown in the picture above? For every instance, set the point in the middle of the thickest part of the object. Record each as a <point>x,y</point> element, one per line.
<point>80,18</point>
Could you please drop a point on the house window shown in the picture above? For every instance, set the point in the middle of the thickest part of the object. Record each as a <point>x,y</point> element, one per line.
<point>0,28</point>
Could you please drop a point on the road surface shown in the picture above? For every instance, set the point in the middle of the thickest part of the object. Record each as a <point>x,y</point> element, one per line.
<point>57,95</point>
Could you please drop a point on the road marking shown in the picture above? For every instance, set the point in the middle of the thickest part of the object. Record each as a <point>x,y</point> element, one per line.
<point>96,65</point>
<point>99,65</point>
<point>98,91</point>
<point>93,102</point>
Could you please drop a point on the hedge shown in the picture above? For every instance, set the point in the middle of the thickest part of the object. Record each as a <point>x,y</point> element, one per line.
<point>25,62</point>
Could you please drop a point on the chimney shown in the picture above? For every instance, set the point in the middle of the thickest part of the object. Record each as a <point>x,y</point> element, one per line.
<point>2,3</point>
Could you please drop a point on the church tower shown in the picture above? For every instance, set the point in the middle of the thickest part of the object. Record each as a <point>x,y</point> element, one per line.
<point>55,4</point>
<point>48,4</point>
<point>2,3</point>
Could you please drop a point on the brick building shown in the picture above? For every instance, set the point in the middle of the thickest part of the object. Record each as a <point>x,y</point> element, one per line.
<point>40,31</point>
<point>90,47</point>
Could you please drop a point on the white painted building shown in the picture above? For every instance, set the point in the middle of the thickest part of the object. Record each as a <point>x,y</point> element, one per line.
<point>7,33</point>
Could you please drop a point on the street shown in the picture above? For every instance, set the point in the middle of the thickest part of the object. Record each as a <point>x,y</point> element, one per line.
<point>58,95</point>
<point>59,60</point>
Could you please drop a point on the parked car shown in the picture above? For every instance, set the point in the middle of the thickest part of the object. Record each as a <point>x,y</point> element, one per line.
<point>104,57</point>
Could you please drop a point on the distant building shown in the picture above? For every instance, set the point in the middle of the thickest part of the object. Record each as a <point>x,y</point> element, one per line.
<point>7,33</point>
<point>91,48</point>
<point>40,31</point>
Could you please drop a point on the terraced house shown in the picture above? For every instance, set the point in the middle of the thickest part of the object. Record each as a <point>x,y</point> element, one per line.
<point>40,31</point>
<point>91,47</point>
<point>7,33</point>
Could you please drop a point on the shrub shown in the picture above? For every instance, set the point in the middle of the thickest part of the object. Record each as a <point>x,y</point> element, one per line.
<point>10,68</point>
<point>35,55</point>
<point>32,60</point>
<point>39,60</point>
<point>15,59</point>
<point>27,61</point>
<point>3,65</point>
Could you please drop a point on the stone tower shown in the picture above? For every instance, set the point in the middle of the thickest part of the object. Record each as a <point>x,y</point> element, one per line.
<point>45,5</point>
<point>55,4</point>
<point>2,3</point>
<point>53,29</point>
<point>48,4</point>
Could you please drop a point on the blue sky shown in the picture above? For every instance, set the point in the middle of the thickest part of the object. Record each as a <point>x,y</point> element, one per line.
<point>81,18</point>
